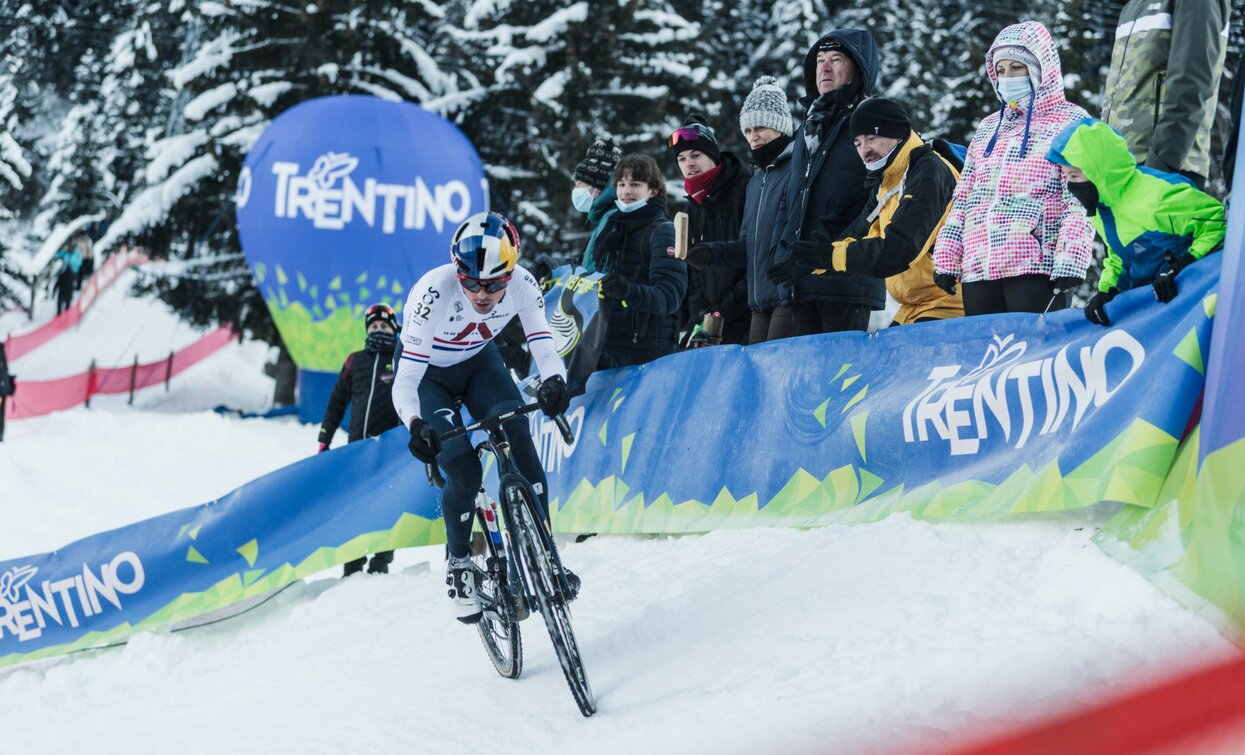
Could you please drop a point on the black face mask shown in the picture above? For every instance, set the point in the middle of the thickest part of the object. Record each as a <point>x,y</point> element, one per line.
<point>765,154</point>
<point>380,342</point>
<point>1086,193</point>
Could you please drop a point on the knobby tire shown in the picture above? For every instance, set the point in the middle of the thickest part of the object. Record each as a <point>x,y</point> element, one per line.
<point>498,627</point>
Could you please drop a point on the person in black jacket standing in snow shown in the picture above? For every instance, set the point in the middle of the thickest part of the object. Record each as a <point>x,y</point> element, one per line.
<point>716,183</point>
<point>826,190</point>
<point>366,384</point>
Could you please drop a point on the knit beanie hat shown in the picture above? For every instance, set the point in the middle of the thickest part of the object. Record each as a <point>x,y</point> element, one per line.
<point>598,164</point>
<point>1023,55</point>
<point>382,312</point>
<point>694,134</point>
<point>880,117</point>
<point>766,107</point>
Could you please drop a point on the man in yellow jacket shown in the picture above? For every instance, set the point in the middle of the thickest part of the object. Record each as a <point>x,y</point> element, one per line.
<point>911,184</point>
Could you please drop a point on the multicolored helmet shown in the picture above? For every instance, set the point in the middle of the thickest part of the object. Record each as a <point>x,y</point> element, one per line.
<point>485,246</point>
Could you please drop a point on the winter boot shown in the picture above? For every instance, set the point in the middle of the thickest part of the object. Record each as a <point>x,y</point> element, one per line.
<point>380,563</point>
<point>462,576</point>
<point>354,567</point>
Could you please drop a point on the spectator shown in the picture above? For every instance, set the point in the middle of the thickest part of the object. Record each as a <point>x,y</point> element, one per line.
<point>826,189</point>
<point>767,125</point>
<point>1154,224</point>
<point>366,385</point>
<point>593,193</point>
<point>1015,236</point>
<point>715,181</point>
<point>643,284</point>
<point>910,186</point>
<point>1164,82</point>
<point>82,242</point>
<point>68,260</point>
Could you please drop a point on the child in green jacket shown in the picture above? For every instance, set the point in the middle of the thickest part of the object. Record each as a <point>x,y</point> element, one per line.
<point>1154,224</point>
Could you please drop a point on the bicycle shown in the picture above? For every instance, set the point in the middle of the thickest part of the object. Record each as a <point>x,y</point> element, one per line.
<point>518,563</point>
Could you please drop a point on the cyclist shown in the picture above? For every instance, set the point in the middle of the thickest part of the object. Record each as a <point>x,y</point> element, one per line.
<point>451,318</point>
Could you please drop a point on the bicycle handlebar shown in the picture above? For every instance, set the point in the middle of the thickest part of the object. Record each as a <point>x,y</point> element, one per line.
<point>492,423</point>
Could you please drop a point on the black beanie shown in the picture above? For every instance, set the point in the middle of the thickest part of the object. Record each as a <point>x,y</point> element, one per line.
<point>704,140</point>
<point>598,165</point>
<point>880,117</point>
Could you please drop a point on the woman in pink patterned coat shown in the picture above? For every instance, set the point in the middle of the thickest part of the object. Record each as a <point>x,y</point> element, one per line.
<point>1015,236</point>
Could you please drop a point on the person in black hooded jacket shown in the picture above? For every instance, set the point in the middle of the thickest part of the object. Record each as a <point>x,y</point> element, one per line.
<point>716,184</point>
<point>366,384</point>
<point>644,284</point>
<point>826,189</point>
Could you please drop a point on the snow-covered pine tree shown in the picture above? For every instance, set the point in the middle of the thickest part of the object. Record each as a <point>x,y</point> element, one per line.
<point>553,77</point>
<point>244,64</point>
<point>15,170</point>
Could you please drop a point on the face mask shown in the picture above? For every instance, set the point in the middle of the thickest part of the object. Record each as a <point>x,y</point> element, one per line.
<point>881,161</point>
<point>380,342</point>
<point>1014,88</point>
<point>582,199</point>
<point>1086,193</point>
<point>630,206</point>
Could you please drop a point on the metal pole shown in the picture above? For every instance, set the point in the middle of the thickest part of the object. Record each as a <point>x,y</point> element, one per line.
<point>133,378</point>
<point>90,383</point>
<point>168,372</point>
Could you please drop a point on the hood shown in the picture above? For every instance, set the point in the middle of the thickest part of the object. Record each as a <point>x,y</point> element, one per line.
<point>732,170</point>
<point>1100,152</point>
<point>860,46</point>
<point>1037,40</point>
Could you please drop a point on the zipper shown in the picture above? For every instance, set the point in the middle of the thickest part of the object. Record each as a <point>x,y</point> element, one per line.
<point>1158,100</point>
<point>368,412</point>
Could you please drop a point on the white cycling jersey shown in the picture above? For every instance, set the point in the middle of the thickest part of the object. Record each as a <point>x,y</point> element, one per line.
<point>441,328</point>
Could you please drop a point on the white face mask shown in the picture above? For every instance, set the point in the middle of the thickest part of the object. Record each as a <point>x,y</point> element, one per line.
<point>582,198</point>
<point>1014,88</point>
<point>881,161</point>
<point>630,206</point>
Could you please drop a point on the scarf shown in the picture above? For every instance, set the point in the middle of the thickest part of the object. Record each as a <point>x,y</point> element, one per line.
<point>698,185</point>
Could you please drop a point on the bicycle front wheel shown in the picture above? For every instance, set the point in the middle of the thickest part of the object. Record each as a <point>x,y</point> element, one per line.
<point>534,543</point>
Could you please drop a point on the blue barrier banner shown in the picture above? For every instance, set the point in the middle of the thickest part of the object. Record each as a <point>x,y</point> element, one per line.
<point>975,417</point>
<point>345,202</point>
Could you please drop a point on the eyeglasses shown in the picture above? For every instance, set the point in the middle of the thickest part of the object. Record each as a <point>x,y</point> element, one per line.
<point>688,134</point>
<point>490,286</point>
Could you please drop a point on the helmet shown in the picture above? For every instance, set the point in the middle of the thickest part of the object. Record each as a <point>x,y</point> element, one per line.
<point>382,312</point>
<point>485,246</point>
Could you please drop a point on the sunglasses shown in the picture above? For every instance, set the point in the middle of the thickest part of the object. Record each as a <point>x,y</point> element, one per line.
<point>689,134</point>
<point>489,286</point>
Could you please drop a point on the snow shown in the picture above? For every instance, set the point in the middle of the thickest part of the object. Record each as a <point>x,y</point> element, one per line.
<point>557,23</point>
<point>172,151</point>
<point>210,100</point>
<point>211,56</point>
<point>551,89</point>
<point>150,207</point>
<point>838,639</point>
<point>118,328</point>
<point>266,94</point>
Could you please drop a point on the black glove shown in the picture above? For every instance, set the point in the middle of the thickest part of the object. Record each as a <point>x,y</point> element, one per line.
<point>1096,310</point>
<point>541,267</point>
<point>1066,283</point>
<point>946,281</point>
<point>425,442</point>
<point>615,286</point>
<point>698,256</point>
<point>553,396</point>
<point>788,272</point>
<point>814,253</point>
<point>1165,284</point>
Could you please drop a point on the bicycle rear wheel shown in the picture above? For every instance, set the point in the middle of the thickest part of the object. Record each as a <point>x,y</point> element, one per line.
<point>536,547</point>
<point>498,625</point>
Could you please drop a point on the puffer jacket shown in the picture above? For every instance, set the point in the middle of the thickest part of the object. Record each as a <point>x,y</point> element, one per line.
<point>1143,215</point>
<point>365,384</point>
<point>1012,213</point>
<point>754,249</point>
<point>825,189</point>
<point>717,218</point>
<point>895,231</point>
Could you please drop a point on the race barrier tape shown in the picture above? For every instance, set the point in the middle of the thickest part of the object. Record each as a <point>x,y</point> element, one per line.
<point>35,398</point>
<point>979,417</point>
<point>20,345</point>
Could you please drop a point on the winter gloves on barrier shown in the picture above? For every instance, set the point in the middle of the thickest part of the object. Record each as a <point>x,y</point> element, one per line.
<point>425,442</point>
<point>814,253</point>
<point>541,267</point>
<point>553,396</point>
<point>946,281</point>
<point>1096,310</point>
<point>615,286</point>
<point>1165,283</point>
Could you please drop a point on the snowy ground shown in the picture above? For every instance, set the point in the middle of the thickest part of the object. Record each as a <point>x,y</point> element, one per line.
<point>897,634</point>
